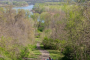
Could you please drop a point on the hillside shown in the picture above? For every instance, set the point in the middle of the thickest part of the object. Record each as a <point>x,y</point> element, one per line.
<point>54,30</point>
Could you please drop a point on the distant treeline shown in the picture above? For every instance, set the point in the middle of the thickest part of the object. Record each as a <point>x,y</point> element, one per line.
<point>42,1</point>
<point>16,3</point>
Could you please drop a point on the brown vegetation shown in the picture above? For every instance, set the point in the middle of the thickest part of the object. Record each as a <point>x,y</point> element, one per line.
<point>16,32</point>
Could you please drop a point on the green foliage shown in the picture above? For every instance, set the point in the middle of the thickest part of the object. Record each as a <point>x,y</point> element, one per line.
<point>41,27</point>
<point>2,58</point>
<point>7,49</point>
<point>68,53</point>
<point>50,43</point>
<point>38,36</point>
<point>69,28</point>
<point>15,3</point>
<point>9,53</point>
<point>25,52</point>
<point>35,16</point>
<point>39,8</point>
<point>47,31</point>
<point>66,26</point>
<point>55,54</point>
<point>21,3</point>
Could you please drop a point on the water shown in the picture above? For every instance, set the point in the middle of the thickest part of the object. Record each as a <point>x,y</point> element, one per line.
<point>30,7</point>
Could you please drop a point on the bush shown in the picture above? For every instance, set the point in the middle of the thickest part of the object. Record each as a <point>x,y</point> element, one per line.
<point>11,51</point>
<point>2,58</point>
<point>25,52</point>
<point>41,29</point>
<point>68,53</point>
<point>38,35</point>
<point>75,52</point>
<point>51,43</point>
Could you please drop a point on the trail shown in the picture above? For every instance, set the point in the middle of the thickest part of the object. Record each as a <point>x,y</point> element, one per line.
<point>45,53</point>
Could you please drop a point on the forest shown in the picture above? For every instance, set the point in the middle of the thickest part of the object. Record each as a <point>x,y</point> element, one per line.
<point>65,28</point>
<point>41,1</point>
<point>14,3</point>
<point>61,28</point>
<point>16,34</point>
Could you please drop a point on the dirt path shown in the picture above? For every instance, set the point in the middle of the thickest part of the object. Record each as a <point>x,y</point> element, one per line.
<point>45,53</point>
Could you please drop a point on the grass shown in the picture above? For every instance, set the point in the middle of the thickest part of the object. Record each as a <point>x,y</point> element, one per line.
<point>35,53</point>
<point>38,40</point>
<point>54,54</point>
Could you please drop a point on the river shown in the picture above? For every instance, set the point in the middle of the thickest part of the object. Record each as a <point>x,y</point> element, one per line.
<point>29,7</point>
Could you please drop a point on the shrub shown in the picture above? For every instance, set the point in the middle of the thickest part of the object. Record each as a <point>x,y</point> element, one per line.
<point>25,52</point>
<point>13,51</point>
<point>2,58</point>
<point>41,29</point>
<point>68,53</point>
<point>51,43</point>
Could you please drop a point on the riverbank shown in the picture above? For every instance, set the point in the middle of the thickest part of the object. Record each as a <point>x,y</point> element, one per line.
<point>21,6</point>
<point>29,7</point>
<point>12,5</point>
